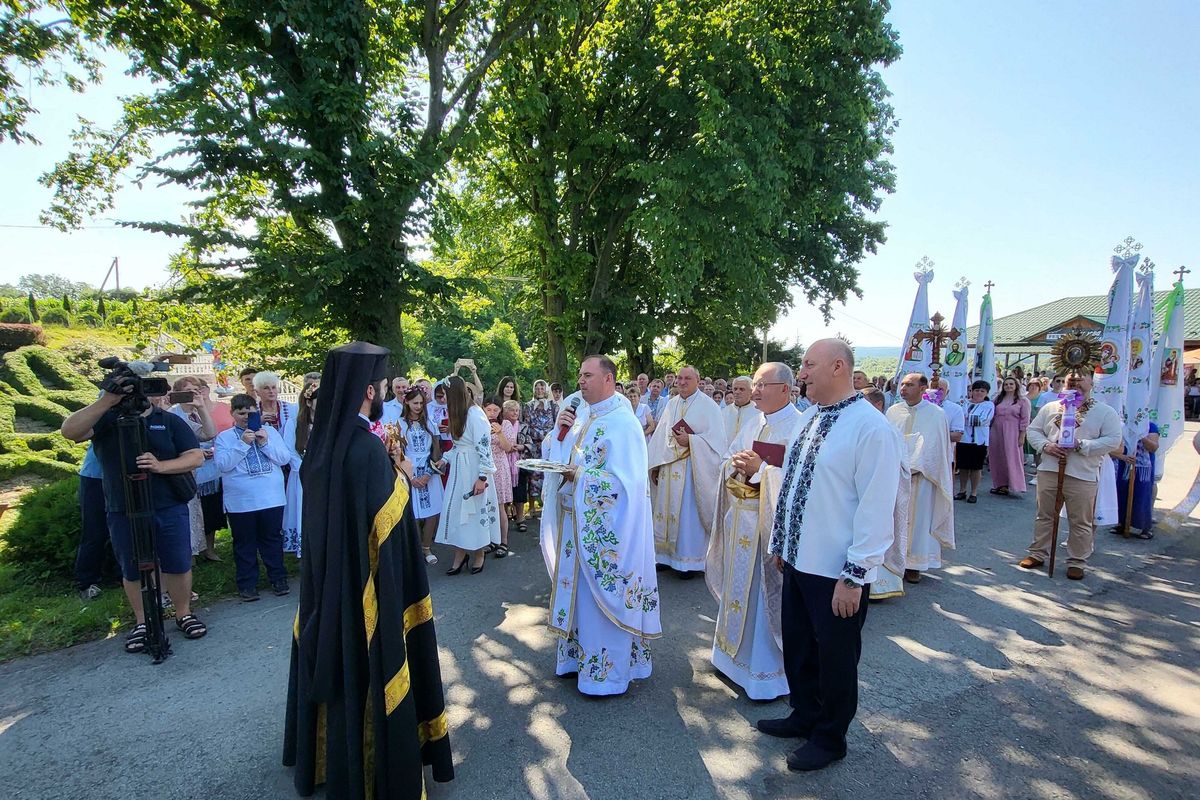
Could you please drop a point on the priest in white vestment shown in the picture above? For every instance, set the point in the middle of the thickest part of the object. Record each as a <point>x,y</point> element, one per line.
<point>889,582</point>
<point>597,538</point>
<point>741,412</point>
<point>927,446</point>
<point>685,475</point>
<point>833,525</point>
<point>748,645</point>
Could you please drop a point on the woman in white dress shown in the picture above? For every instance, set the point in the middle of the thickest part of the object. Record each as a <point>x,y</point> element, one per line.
<point>295,436</point>
<point>424,450</point>
<point>640,410</point>
<point>470,519</point>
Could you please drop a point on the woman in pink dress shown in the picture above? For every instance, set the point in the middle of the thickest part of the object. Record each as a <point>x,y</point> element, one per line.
<point>501,447</point>
<point>1006,453</point>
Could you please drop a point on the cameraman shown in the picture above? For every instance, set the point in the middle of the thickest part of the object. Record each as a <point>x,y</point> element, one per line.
<point>172,450</point>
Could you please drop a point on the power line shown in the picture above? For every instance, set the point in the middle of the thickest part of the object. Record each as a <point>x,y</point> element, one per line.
<point>53,228</point>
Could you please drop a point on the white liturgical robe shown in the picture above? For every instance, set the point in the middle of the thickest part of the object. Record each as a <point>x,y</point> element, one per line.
<point>597,538</point>
<point>931,510</point>
<point>748,645</point>
<point>685,496</point>
<point>737,417</point>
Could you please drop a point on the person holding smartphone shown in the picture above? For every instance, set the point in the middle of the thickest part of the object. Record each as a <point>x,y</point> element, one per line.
<point>190,401</point>
<point>250,457</point>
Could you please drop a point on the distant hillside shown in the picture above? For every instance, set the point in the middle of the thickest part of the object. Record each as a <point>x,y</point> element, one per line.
<point>876,352</point>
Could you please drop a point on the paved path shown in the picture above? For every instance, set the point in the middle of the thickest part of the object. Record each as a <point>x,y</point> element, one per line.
<point>984,682</point>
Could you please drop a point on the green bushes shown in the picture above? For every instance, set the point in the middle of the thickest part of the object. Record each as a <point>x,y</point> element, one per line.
<point>16,314</point>
<point>43,539</point>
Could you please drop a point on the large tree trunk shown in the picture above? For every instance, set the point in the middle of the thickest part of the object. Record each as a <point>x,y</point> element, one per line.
<point>552,310</point>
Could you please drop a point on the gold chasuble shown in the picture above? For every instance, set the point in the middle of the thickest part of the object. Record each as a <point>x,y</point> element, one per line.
<point>365,709</point>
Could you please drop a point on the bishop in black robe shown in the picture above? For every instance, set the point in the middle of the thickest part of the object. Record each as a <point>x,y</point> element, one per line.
<point>365,709</point>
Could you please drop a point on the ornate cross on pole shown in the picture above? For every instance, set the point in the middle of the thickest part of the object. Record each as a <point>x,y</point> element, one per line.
<point>1128,247</point>
<point>1181,272</point>
<point>1146,266</point>
<point>937,336</point>
<point>989,286</point>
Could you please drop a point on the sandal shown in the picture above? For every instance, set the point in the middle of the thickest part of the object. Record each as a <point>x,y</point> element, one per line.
<point>960,496</point>
<point>501,551</point>
<point>1143,535</point>
<point>430,558</point>
<point>135,642</point>
<point>192,628</point>
<point>490,548</point>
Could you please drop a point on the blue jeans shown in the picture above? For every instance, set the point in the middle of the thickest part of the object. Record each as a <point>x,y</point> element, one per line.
<point>257,534</point>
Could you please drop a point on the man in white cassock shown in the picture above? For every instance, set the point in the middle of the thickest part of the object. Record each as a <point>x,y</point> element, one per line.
<point>927,447</point>
<point>832,526</point>
<point>684,474</point>
<point>741,412</point>
<point>597,538</point>
<point>748,646</point>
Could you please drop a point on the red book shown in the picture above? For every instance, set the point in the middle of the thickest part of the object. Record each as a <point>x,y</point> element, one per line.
<point>770,453</point>
<point>682,427</point>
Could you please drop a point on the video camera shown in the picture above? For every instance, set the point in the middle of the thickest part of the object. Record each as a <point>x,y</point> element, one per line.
<point>131,378</point>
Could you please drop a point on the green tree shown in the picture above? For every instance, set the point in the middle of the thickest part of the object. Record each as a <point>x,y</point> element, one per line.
<point>43,286</point>
<point>313,131</point>
<point>33,309</point>
<point>679,167</point>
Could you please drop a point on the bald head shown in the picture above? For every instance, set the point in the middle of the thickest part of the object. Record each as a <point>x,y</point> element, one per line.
<point>827,370</point>
<point>912,387</point>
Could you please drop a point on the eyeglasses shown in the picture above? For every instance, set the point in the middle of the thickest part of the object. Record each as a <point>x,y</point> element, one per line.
<point>762,384</point>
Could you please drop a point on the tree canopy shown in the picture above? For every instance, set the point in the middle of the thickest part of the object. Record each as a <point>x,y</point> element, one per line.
<point>607,174</point>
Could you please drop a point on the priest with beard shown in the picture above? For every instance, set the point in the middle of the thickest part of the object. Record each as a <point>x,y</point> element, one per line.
<point>926,436</point>
<point>748,646</point>
<point>365,709</point>
<point>685,461</point>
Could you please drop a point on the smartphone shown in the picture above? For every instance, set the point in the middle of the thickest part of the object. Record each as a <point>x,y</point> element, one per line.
<point>254,421</point>
<point>181,397</point>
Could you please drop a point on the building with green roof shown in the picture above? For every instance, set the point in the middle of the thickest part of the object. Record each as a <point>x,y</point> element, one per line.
<point>1027,337</point>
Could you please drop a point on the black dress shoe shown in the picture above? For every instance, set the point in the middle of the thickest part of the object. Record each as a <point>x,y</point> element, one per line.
<point>686,575</point>
<point>811,757</point>
<point>786,728</point>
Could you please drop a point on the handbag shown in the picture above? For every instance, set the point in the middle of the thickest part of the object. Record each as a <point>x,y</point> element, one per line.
<point>182,486</point>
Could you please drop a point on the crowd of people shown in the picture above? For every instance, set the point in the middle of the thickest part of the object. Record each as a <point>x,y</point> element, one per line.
<point>752,481</point>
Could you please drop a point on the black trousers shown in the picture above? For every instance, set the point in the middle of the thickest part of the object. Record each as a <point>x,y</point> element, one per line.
<point>820,656</point>
<point>91,557</point>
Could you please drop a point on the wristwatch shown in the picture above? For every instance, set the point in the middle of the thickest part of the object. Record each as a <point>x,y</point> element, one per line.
<point>851,584</point>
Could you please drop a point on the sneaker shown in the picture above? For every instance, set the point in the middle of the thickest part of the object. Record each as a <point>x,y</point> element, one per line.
<point>248,597</point>
<point>281,588</point>
<point>90,593</point>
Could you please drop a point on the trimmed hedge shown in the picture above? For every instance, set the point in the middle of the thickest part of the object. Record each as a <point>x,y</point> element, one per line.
<point>43,539</point>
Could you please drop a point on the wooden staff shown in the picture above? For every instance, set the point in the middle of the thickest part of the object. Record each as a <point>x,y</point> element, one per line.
<point>1058,504</point>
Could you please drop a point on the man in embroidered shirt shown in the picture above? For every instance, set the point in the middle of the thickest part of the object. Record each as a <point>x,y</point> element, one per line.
<point>926,436</point>
<point>1097,433</point>
<point>831,529</point>
<point>748,646</point>
<point>598,541</point>
<point>684,475</point>
<point>741,412</point>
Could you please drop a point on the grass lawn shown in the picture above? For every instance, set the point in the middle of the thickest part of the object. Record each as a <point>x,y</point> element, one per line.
<point>37,616</point>
<point>59,335</point>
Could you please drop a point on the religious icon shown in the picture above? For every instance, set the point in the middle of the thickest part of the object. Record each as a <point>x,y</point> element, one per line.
<point>1110,359</point>
<point>1135,354</point>
<point>955,356</point>
<point>914,349</point>
<point>1169,375</point>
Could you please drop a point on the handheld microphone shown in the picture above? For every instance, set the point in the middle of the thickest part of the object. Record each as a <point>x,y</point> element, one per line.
<point>562,429</point>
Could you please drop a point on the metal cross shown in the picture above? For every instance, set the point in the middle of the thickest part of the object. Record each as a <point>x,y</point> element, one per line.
<point>925,264</point>
<point>963,283</point>
<point>937,336</point>
<point>1181,272</point>
<point>989,286</point>
<point>1147,265</point>
<point>1127,247</point>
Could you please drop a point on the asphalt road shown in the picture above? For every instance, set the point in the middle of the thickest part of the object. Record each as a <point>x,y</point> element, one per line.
<point>985,681</point>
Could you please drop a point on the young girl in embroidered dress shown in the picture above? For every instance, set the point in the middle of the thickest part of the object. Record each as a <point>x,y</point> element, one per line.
<point>425,451</point>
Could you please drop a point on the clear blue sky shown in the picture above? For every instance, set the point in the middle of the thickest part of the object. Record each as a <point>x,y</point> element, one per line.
<point>1033,136</point>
